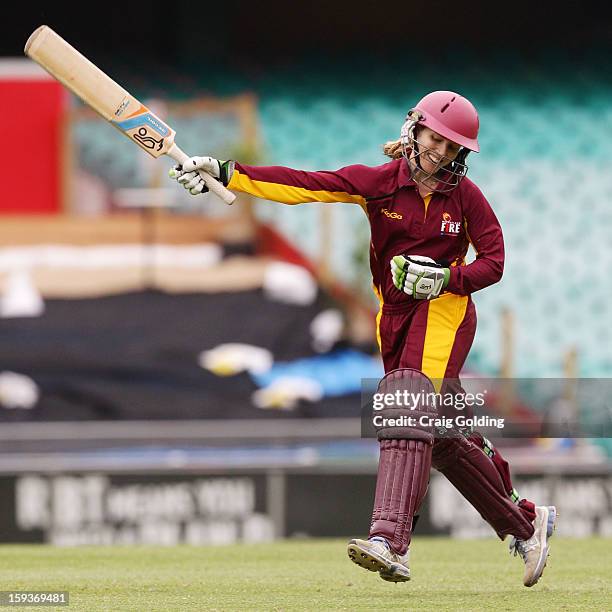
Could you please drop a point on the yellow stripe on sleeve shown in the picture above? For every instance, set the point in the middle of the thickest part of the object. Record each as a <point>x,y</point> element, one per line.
<point>289,194</point>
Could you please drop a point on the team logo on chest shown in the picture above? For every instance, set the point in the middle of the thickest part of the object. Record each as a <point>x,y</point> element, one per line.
<point>449,227</point>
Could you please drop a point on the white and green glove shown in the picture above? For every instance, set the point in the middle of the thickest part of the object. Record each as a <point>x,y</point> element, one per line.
<point>187,174</point>
<point>418,276</point>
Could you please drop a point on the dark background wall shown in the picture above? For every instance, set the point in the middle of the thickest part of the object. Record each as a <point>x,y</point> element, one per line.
<point>269,33</point>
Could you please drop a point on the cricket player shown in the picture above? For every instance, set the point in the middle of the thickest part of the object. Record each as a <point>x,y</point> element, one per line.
<point>424,213</point>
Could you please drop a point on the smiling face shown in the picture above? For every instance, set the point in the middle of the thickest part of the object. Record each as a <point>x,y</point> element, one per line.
<point>435,152</point>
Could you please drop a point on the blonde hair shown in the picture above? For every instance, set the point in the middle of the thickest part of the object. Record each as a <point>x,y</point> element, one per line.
<point>393,149</point>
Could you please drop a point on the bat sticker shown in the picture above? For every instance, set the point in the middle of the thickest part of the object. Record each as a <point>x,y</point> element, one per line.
<point>124,104</point>
<point>148,141</point>
<point>144,119</point>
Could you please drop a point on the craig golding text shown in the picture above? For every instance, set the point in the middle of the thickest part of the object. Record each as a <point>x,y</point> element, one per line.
<point>429,421</point>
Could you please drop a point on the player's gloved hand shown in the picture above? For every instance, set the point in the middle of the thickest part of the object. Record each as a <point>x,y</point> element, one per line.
<point>187,174</point>
<point>418,276</point>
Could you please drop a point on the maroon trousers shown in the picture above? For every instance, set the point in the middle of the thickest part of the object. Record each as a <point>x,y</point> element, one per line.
<point>435,337</point>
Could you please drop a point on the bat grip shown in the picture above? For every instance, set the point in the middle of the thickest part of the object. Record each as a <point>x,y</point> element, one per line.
<point>212,183</point>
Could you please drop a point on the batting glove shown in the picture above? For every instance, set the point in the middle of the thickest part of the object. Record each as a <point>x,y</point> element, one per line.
<point>418,276</point>
<point>187,174</point>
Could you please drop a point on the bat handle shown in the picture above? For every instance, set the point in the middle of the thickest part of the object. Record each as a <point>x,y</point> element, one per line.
<point>212,183</point>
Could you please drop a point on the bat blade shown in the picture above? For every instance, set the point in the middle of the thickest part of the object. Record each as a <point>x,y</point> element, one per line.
<point>99,91</point>
<point>83,78</point>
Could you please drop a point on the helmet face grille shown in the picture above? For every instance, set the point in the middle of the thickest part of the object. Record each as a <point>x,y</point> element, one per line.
<point>446,177</point>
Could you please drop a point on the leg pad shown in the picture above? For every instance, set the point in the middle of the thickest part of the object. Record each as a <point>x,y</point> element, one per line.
<point>476,477</point>
<point>413,403</point>
<point>401,485</point>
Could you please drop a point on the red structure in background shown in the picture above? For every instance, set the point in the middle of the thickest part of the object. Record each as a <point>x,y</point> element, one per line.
<point>32,111</point>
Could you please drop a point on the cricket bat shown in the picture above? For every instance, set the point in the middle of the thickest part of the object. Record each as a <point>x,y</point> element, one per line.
<point>115,104</point>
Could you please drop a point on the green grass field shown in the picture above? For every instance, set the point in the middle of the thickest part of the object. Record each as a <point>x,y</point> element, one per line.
<point>311,575</point>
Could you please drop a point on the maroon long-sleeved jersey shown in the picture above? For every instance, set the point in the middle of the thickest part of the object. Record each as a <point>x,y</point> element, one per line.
<point>440,226</point>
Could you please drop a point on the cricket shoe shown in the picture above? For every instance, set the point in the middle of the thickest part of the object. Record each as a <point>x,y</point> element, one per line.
<point>534,551</point>
<point>375,555</point>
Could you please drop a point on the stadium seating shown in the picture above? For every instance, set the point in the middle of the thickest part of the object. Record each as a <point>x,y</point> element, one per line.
<point>541,167</point>
<point>544,139</point>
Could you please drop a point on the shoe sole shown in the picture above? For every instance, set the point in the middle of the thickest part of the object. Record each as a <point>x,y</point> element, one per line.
<point>550,529</point>
<point>396,573</point>
<point>391,572</point>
